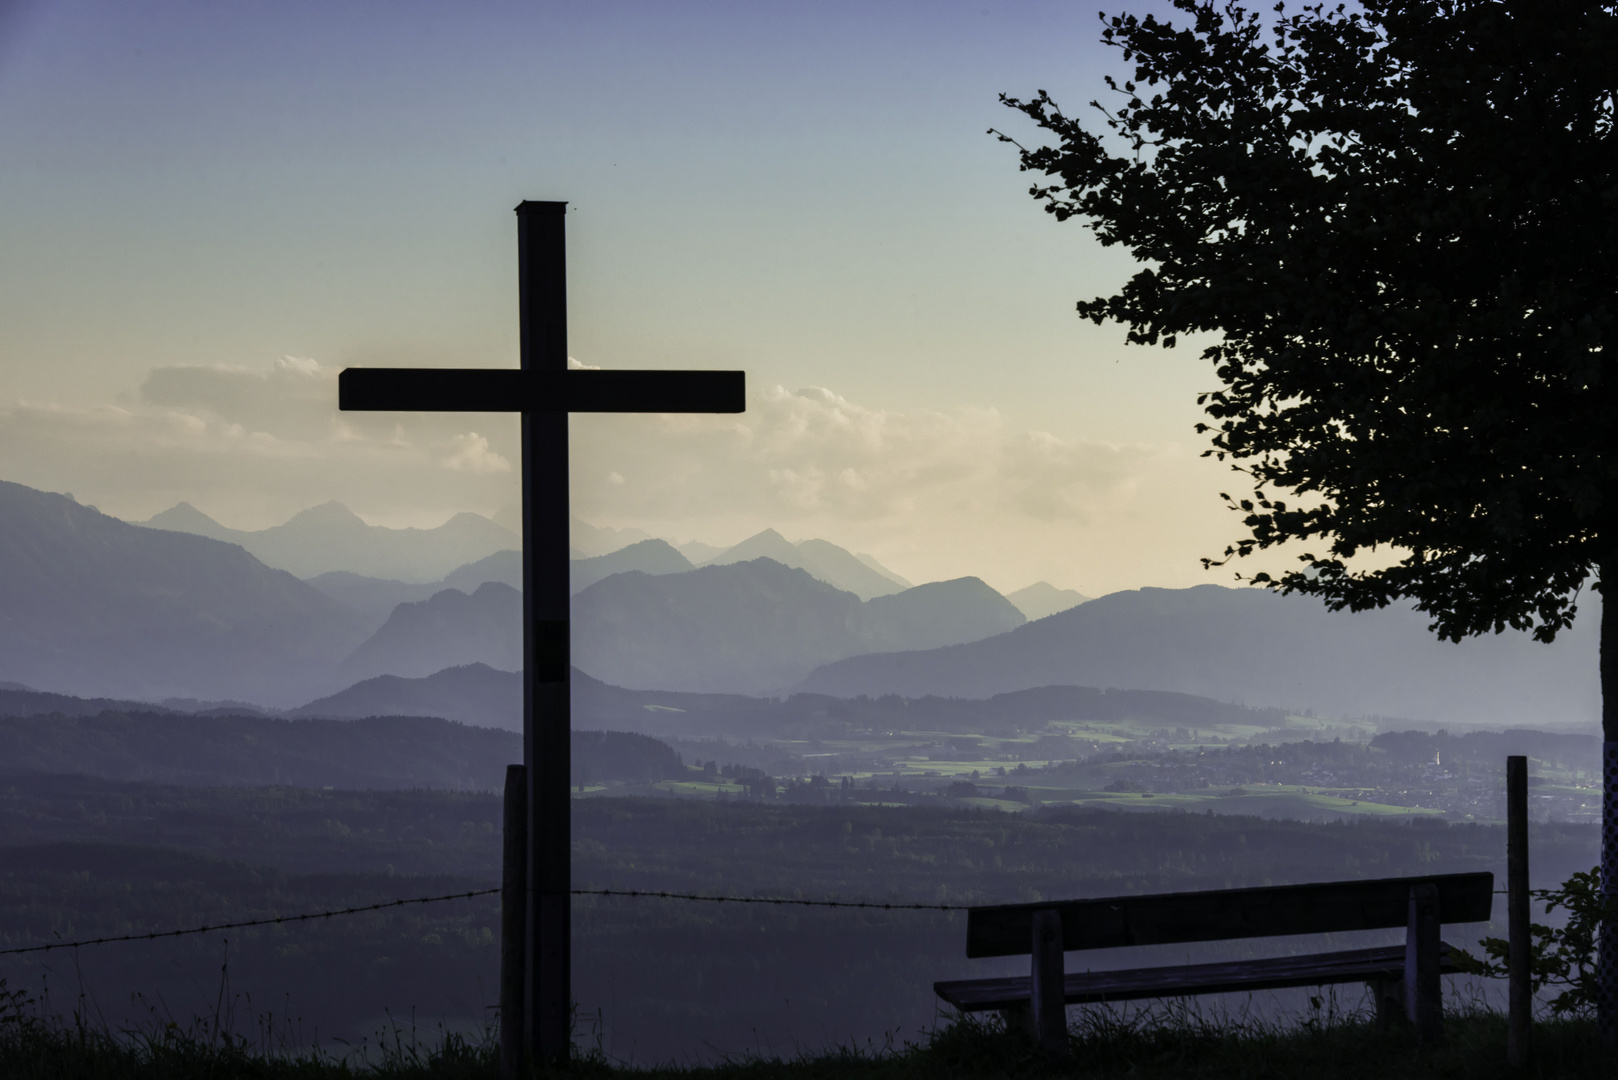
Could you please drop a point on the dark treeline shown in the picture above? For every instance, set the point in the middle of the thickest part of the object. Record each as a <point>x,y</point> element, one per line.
<point>596,704</point>
<point>1557,748</point>
<point>377,752</point>
<point>620,755</point>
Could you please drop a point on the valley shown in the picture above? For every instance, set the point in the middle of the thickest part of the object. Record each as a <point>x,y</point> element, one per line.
<point>659,979</point>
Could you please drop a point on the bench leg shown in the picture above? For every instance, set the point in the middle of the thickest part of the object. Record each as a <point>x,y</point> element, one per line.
<point>1389,996</point>
<point>1048,1000</point>
<point>1424,989</point>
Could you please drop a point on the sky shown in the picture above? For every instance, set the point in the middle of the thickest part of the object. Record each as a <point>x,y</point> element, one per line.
<point>208,209</point>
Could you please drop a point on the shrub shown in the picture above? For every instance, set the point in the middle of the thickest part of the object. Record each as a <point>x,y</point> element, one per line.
<point>1563,956</point>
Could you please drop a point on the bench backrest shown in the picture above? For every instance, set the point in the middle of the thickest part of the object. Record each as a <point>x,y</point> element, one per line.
<point>1222,914</point>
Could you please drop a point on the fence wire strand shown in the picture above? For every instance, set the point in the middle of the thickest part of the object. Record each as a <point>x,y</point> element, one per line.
<point>277,920</point>
<point>272,921</point>
<point>660,895</point>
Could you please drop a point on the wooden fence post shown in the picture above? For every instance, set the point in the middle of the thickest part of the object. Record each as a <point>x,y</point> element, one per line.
<point>1047,998</point>
<point>1521,1008</point>
<point>513,922</point>
<point>1424,989</point>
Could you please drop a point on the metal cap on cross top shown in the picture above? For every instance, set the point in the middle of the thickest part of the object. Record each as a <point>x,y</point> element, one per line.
<point>543,390</point>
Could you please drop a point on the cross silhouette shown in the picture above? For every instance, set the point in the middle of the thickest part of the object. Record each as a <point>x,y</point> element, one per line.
<point>544,391</point>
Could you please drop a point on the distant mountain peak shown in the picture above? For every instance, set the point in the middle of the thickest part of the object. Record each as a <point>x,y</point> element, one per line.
<point>181,517</point>
<point>769,542</point>
<point>331,537</point>
<point>326,514</point>
<point>1042,599</point>
<point>592,540</point>
<point>898,579</point>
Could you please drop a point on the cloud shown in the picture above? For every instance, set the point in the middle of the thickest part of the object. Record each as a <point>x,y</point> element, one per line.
<point>933,493</point>
<point>812,453</point>
<point>254,446</point>
<point>470,453</point>
<point>293,399</point>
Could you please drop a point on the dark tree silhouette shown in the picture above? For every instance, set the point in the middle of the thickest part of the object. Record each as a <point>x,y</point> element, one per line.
<point>1401,224</point>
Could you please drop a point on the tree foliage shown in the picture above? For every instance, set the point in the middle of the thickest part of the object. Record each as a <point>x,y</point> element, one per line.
<point>1563,957</point>
<point>1400,222</point>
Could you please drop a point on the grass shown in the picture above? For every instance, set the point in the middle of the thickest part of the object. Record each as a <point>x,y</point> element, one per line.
<point>1167,1040</point>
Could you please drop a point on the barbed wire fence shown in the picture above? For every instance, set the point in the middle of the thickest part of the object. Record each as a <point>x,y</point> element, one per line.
<point>309,916</point>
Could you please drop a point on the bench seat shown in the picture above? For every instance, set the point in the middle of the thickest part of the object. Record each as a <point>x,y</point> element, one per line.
<point>1386,964</point>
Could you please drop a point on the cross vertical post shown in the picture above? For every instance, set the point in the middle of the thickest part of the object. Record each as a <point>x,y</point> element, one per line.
<point>542,304</point>
<point>544,391</point>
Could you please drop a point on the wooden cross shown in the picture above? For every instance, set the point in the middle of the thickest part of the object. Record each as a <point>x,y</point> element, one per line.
<point>544,391</point>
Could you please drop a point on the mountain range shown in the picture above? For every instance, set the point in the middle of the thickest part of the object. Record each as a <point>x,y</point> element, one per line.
<point>1042,598</point>
<point>474,694</point>
<point>592,540</point>
<point>614,551</point>
<point>859,574</point>
<point>448,628</point>
<point>99,607</point>
<point>759,626</point>
<point>331,537</point>
<point>374,599</point>
<point>647,556</point>
<point>1255,646</point>
<point>104,608</point>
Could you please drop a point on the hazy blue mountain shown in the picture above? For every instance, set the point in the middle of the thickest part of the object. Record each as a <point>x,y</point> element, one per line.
<point>870,560</point>
<point>757,626</point>
<point>865,577</point>
<point>99,607</point>
<point>447,629</point>
<point>1042,598</point>
<point>747,627</point>
<point>593,540</point>
<point>331,537</point>
<point>503,566</point>
<point>183,517</point>
<point>938,613</point>
<point>471,694</point>
<point>698,552</point>
<point>374,599</point>
<point>823,560</point>
<point>1253,646</point>
<point>647,556</point>
<point>768,544</point>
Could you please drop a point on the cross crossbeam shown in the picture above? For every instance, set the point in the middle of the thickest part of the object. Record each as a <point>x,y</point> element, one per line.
<point>543,390</point>
<point>517,390</point>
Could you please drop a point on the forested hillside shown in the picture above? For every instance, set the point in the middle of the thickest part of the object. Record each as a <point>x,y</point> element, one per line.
<point>378,752</point>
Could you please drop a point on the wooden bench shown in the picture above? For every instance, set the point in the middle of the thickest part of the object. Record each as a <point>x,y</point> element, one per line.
<point>1404,978</point>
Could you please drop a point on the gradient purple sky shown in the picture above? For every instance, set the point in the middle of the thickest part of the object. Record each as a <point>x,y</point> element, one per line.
<point>206,209</point>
